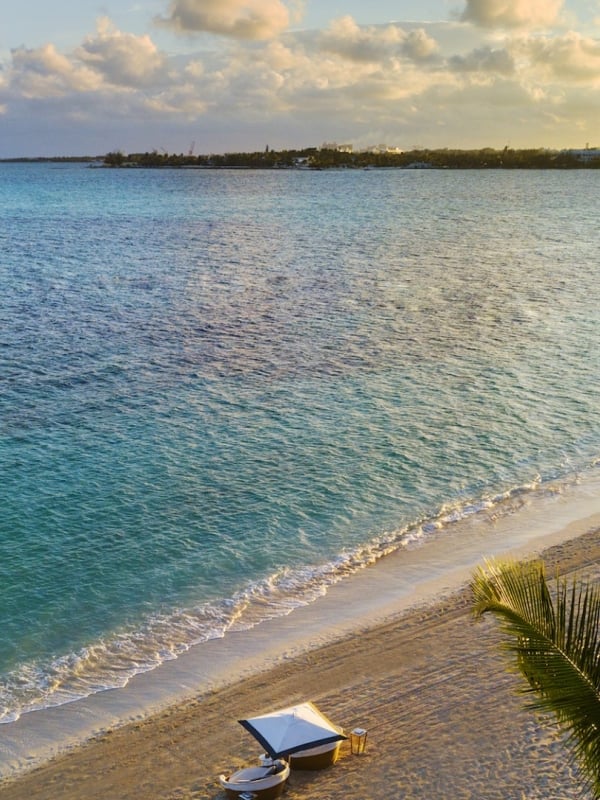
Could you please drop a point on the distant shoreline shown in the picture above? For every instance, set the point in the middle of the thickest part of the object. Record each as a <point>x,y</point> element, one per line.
<point>313,158</point>
<point>53,160</point>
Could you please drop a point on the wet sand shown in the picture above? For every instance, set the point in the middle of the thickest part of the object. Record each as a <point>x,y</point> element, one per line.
<point>430,686</point>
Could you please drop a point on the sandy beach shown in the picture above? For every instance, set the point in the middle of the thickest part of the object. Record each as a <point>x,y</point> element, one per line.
<point>430,686</point>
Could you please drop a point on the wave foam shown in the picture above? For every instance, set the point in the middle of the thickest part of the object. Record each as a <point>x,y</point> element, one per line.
<point>112,662</point>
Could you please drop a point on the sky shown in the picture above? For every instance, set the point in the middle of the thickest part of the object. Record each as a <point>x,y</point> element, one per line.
<point>216,76</point>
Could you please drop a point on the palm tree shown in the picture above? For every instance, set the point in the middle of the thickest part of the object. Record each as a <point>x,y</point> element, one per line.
<point>555,636</point>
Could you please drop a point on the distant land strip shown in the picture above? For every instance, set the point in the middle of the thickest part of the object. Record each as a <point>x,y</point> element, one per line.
<point>343,157</point>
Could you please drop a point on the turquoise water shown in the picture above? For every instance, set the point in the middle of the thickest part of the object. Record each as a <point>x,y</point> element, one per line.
<point>221,392</point>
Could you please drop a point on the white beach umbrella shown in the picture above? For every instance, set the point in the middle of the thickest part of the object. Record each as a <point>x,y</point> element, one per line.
<point>292,729</point>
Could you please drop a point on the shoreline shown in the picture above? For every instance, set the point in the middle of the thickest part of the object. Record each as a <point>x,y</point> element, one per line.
<point>351,667</point>
<point>411,577</point>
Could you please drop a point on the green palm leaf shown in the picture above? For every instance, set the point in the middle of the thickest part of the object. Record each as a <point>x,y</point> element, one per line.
<point>555,637</point>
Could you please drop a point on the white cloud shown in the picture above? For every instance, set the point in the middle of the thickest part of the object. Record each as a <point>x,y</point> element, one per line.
<point>44,72</point>
<point>568,59</point>
<point>108,61</point>
<point>512,13</point>
<point>419,45</point>
<point>375,43</point>
<point>458,84</point>
<point>484,59</point>
<point>122,58</point>
<point>240,19</point>
<point>182,101</point>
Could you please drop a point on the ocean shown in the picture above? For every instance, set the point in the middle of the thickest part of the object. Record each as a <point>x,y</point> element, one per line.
<point>223,392</point>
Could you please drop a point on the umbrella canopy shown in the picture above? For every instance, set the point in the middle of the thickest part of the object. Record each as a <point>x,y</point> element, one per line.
<point>292,729</point>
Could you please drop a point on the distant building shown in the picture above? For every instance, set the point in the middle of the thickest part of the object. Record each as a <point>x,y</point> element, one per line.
<point>339,148</point>
<point>382,149</point>
<point>585,155</point>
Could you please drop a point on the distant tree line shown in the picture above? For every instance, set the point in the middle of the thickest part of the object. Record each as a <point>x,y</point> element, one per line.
<point>268,159</point>
<point>52,160</point>
<point>319,158</point>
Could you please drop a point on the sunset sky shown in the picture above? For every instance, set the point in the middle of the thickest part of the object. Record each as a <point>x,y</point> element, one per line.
<point>217,76</point>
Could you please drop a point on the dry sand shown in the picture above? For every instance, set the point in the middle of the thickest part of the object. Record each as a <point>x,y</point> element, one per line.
<point>442,715</point>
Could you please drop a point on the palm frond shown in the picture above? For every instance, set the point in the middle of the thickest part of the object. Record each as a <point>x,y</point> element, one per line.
<point>555,636</point>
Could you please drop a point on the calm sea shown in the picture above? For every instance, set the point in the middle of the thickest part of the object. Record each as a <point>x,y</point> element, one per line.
<point>223,391</point>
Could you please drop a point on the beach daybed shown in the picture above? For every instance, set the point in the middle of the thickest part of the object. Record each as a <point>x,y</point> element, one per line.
<point>262,783</point>
<point>301,734</point>
<point>316,757</point>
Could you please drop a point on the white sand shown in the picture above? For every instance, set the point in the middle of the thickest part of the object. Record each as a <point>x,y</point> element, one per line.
<point>417,681</point>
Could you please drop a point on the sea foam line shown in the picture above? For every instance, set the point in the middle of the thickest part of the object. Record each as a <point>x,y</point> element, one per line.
<point>111,663</point>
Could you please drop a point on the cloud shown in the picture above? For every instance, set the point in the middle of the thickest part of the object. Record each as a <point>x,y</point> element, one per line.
<point>44,72</point>
<point>123,59</point>
<point>240,19</point>
<point>512,13</point>
<point>571,58</point>
<point>375,43</point>
<point>436,84</point>
<point>306,79</point>
<point>484,59</point>
<point>109,61</point>
<point>419,45</point>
